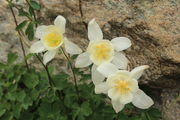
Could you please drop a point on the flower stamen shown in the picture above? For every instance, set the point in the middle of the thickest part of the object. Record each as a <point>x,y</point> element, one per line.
<point>101,51</point>
<point>53,39</point>
<point>122,86</point>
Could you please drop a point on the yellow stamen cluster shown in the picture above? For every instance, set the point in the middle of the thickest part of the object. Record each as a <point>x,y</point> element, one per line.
<point>53,39</point>
<point>102,51</point>
<point>122,86</point>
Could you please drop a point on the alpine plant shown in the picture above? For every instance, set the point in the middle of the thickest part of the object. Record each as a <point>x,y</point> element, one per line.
<point>102,50</point>
<point>122,87</point>
<point>51,37</point>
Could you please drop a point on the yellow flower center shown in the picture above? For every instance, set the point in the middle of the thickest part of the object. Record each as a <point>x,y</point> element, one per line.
<point>53,39</point>
<point>101,51</point>
<point>122,86</point>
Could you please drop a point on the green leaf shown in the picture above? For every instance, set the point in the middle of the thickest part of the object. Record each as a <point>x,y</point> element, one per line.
<point>135,118</point>
<point>82,111</point>
<point>10,75</point>
<point>21,25</point>
<point>26,116</point>
<point>20,96</point>
<point>2,111</point>
<point>27,102</point>
<point>86,110</point>
<point>153,114</point>
<point>34,94</point>
<point>12,58</point>
<point>1,93</point>
<point>85,77</point>
<point>16,110</point>
<point>70,98</point>
<point>51,95</point>
<point>5,105</point>
<point>7,116</point>
<point>30,80</point>
<point>11,96</point>
<point>73,57</point>
<point>45,109</point>
<point>60,81</point>
<point>30,55</point>
<point>35,5</point>
<point>123,117</point>
<point>31,11</point>
<point>63,118</point>
<point>30,31</point>
<point>2,66</point>
<point>51,69</point>
<point>24,13</point>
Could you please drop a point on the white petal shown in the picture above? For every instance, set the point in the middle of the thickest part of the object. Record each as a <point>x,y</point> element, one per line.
<point>97,77</point>
<point>60,22</point>
<point>126,98</point>
<point>120,60</point>
<point>48,56</point>
<point>71,48</point>
<point>120,74</point>
<point>101,88</point>
<point>137,72</point>
<point>133,85</point>
<point>37,47</point>
<point>141,100</point>
<point>117,105</point>
<point>107,69</point>
<point>121,43</point>
<point>114,94</point>
<point>40,31</point>
<point>94,31</point>
<point>83,60</point>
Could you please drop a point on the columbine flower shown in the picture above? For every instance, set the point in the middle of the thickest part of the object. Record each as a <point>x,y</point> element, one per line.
<point>100,50</point>
<point>51,38</point>
<point>122,87</point>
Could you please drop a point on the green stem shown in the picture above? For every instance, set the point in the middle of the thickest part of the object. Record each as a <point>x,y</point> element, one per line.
<point>147,116</point>
<point>74,76</point>
<point>81,13</point>
<point>34,15</point>
<point>22,46</point>
<point>51,82</point>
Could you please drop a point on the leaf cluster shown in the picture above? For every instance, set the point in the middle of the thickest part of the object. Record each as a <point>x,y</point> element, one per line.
<point>27,95</point>
<point>29,24</point>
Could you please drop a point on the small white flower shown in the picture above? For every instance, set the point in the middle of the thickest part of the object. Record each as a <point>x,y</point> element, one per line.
<point>51,38</point>
<point>100,50</point>
<point>122,87</point>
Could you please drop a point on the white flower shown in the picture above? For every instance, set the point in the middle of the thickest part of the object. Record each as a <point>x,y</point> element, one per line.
<point>122,87</point>
<point>51,38</point>
<point>100,50</point>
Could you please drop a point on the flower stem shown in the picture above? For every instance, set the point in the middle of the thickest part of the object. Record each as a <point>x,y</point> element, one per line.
<point>50,80</point>
<point>34,15</point>
<point>20,39</point>
<point>81,13</point>
<point>74,76</point>
<point>51,83</point>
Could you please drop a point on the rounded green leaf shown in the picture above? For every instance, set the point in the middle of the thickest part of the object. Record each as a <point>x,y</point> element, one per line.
<point>35,5</point>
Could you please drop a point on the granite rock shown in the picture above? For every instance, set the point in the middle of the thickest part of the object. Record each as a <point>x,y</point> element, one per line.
<point>152,25</point>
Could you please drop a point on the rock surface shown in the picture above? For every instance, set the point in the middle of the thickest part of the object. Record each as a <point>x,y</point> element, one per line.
<point>152,25</point>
